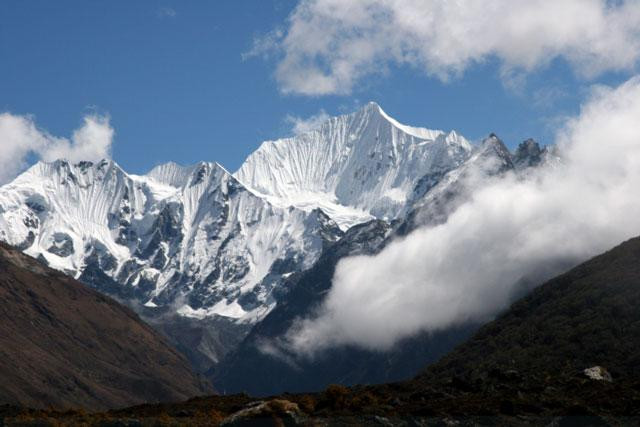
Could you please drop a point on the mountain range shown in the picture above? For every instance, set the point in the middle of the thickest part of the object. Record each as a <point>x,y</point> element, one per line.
<point>222,263</point>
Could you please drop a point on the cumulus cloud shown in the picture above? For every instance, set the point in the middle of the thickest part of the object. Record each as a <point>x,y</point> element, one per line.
<point>327,46</point>
<point>467,268</point>
<point>301,125</point>
<point>20,138</point>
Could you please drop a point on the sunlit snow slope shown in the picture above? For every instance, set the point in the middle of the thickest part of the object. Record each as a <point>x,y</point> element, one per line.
<point>354,167</point>
<point>198,241</point>
<point>190,238</point>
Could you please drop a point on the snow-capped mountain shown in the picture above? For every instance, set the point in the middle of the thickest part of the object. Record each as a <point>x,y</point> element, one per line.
<point>204,242</point>
<point>192,238</point>
<point>206,256</point>
<point>354,167</point>
<point>264,363</point>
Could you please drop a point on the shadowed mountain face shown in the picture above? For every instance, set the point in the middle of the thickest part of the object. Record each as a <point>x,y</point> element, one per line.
<point>532,359</point>
<point>263,364</point>
<point>585,317</point>
<point>527,367</point>
<point>63,344</point>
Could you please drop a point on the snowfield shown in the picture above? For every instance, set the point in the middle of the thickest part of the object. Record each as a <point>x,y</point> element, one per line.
<point>199,241</point>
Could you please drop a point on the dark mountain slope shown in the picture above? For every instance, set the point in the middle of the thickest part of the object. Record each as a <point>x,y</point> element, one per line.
<point>256,372</point>
<point>63,344</point>
<point>585,317</point>
<point>251,369</point>
<point>524,368</point>
<point>527,366</point>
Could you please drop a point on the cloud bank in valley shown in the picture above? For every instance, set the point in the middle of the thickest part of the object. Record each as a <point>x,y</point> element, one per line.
<point>328,46</point>
<point>467,268</point>
<point>21,138</point>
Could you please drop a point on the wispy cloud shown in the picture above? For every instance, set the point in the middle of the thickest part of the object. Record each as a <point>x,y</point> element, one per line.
<point>302,125</point>
<point>329,46</point>
<point>468,268</point>
<point>165,12</point>
<point>263,45</point>
<point>21,138</point>
<point>548,96</point>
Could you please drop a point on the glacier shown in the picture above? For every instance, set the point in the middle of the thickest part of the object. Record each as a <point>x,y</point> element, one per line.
<point>355,167</point>
<point>193,238</point>
<point>200,241</point>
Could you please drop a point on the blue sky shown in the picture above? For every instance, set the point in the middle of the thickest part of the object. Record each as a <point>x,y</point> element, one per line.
<point>173,79</point>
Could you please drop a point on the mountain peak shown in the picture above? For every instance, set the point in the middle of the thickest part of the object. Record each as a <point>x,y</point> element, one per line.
<point>373,105</point>
<point>66,164</point>
<point>83,172</point>
<point>494,151</point>
<point>494,143</point>
<point>529,153</point>
<point>170,173</point>
<point>177,176</point>
<point>354,167</point>
<point>373,109</point>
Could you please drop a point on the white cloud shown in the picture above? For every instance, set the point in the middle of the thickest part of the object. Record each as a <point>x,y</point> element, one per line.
<point>300,125</point>
<point>21,138</point>
<point>329,45</point>
<point>548,96</point>
<point>92,141</point>
<point>166,12</point>
<point>18,137</point>
<point>263,45</point>
<point>467,268</point>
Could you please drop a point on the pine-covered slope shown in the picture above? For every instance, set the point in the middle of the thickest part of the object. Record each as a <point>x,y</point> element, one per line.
<point>63,344</point>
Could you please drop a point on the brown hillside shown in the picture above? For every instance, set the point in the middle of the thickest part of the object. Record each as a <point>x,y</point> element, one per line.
<point>63,344</point>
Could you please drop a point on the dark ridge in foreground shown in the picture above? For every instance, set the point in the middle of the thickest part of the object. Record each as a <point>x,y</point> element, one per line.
<point>525,368</point>
<point>64,345</point>
<point>588,316</point>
